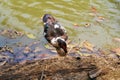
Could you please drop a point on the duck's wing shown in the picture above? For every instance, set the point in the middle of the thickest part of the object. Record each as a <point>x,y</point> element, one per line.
<point>49,32</point>
<point>53,31</point>
<point>60,31</point>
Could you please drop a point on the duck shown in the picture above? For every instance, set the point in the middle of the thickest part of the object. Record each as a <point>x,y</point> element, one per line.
<point>55,34</point>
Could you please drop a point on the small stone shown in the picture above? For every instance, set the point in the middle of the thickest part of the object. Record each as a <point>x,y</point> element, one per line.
<point>27,50</point>
<point>78,58</point>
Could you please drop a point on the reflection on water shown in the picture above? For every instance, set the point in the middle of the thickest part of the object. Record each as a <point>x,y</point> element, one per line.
<point>25,15</point>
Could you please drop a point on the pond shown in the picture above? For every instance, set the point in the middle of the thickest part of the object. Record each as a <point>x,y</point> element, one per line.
<point>97,21</point>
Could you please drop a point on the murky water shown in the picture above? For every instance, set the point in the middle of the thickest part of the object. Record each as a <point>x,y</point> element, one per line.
<point>98,21</point>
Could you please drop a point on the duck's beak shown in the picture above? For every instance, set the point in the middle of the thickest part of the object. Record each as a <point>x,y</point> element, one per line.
<point>61,52</point>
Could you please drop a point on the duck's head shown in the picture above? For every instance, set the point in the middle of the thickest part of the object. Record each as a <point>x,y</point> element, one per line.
<point>60,45</point>
<point>48,18</point>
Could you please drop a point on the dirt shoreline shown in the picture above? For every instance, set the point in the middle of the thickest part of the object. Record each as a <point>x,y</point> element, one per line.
<point>90,67</point>
<point>96,65</point>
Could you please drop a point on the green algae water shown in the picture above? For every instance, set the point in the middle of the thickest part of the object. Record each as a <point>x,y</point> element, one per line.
<point>101,16</point>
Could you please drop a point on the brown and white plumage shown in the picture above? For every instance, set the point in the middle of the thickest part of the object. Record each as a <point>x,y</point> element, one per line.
<point>55,34</point>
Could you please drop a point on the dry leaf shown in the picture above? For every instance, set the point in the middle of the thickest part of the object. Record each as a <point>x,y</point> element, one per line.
<point>101,18</point>
<point>87,45</point>
<point>11,33</point>
<point>2,63</point>
<point>29,35</point>
<point>76,25</point>
<point>116,39</point>
<point>117,51</point>
<point>87,25</point>
<point>85,54</point>
<point>93,9</point>
<point>91,14</point>
<point>47,46</point>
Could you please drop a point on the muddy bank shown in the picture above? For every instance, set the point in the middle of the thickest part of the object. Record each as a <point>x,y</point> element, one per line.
<point>90,67</point>
<point>31,61</point>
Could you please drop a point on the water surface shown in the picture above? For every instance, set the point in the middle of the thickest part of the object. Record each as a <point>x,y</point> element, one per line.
<point>103,17</point>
